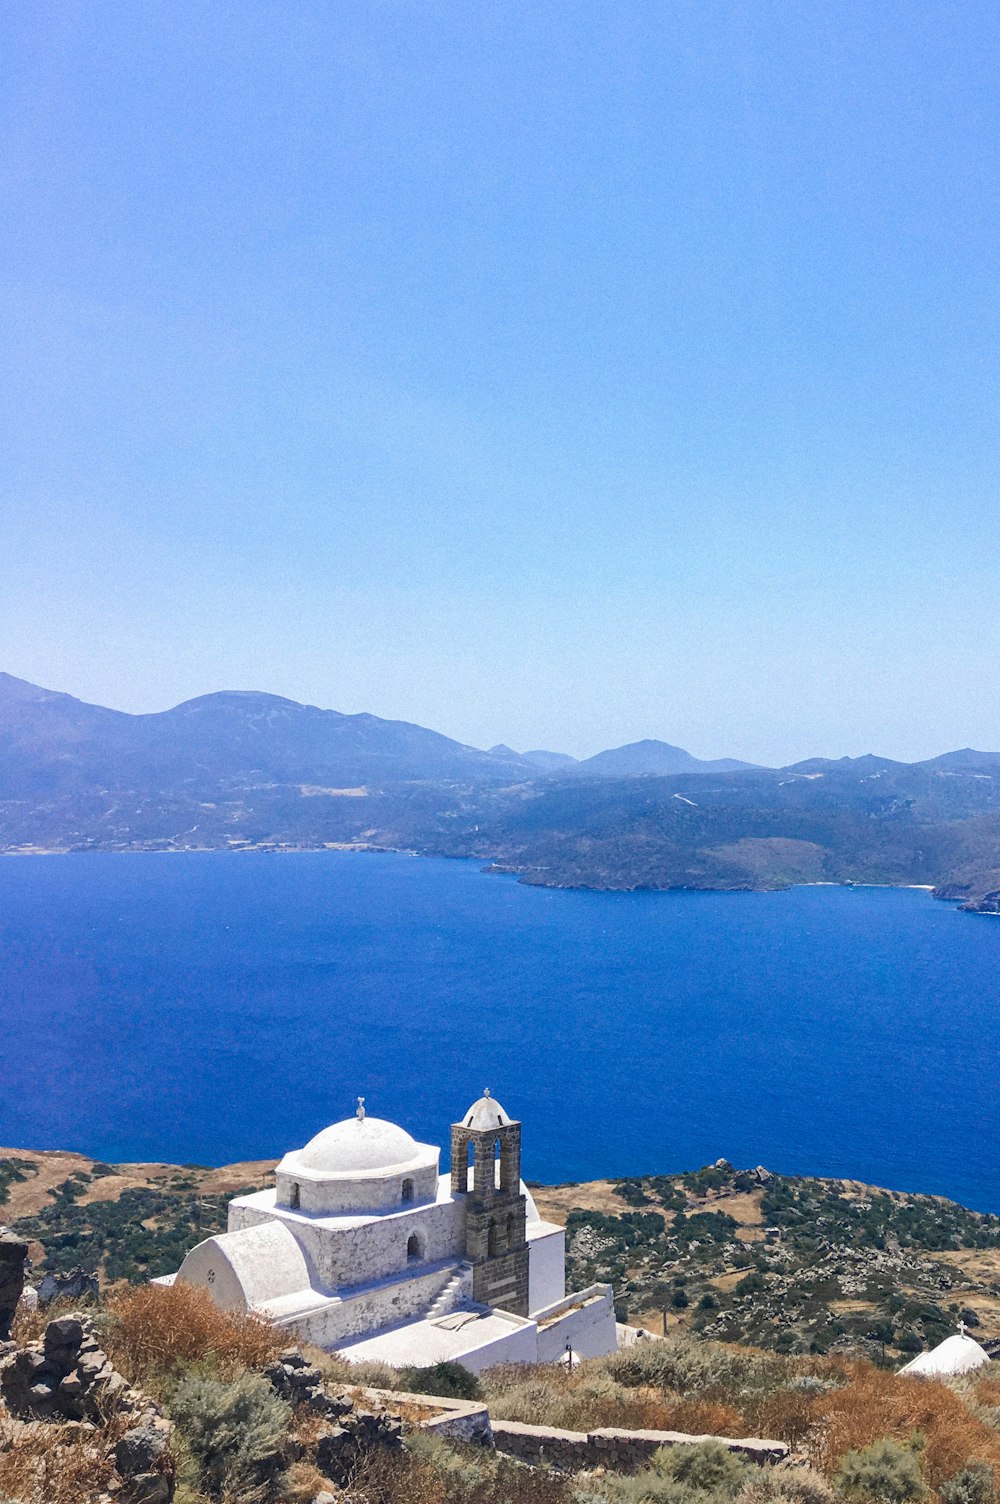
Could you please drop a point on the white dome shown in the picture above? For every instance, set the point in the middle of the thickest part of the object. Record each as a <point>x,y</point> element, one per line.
<point>956,1354</point>
<point>486,1113</point>
<point>358,1144</point>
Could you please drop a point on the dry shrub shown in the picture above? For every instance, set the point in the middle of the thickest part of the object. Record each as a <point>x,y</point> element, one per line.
<point>788,1483</point>
<point>386,1477</point>
<point>788,1415</point>
<point>303,1482</point>
<point>372,1374</point>
<point>155,1328</point>
<point>591,1398</point>
<point>703,1418</point>
<point>875,1404</point>
<point>55,1464</point>
<point>983,1389</point>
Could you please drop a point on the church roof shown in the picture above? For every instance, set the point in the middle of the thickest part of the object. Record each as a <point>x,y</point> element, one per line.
<point>358,1144</point>
<point>486,1113</point>
<point>956,1354</point>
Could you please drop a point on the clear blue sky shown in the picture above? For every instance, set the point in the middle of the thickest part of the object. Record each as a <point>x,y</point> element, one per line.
<point>559,373</point>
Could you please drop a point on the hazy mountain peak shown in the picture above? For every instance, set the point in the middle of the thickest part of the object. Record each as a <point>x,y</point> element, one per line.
<point>655,757</point>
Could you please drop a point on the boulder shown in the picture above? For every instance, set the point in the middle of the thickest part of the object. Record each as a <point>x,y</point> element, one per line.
<point>62,1342</point>
<point>13,1258</point>
<point>139,1449</point>
<point>147,1488</point>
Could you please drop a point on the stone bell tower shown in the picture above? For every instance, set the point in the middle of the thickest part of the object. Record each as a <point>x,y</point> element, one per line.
<point>495,1242</point>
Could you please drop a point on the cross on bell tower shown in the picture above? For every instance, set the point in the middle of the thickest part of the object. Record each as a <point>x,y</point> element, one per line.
<point>496,1210</point>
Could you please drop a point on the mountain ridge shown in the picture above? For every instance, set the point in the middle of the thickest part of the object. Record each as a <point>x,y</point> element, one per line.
<point>239,769</point>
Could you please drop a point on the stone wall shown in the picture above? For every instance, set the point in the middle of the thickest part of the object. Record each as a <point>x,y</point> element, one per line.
<point>502,1282</point>
<point>620,1451</point>
<point>13,1258</point>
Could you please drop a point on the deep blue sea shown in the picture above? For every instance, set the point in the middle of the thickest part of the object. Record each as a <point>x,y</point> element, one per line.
<point>214,1007</point>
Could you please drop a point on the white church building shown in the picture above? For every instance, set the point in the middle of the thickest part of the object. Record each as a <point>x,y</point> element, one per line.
<point>364,1248</point>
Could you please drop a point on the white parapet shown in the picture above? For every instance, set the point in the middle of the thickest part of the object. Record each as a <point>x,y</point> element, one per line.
<point>583,1323</point>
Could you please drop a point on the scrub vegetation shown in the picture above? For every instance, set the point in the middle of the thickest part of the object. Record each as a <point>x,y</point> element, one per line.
<point>859,1434</point>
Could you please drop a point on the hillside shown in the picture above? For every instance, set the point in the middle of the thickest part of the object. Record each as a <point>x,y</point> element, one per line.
<point>51,744</point>
<point>237,770</point>
<point>787,1263</point>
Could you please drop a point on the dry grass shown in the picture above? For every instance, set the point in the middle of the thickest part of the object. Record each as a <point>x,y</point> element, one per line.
<point>302,1483</point>
<point>874,1404</point>
<point>57,1464</point>
<point>589,1398</point>
<point>154,1329</point>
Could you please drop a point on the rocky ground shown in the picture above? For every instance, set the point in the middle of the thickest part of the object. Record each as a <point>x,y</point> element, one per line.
<point>789,1263</point>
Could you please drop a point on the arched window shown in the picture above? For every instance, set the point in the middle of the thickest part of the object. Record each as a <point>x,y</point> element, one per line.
<point>406,1194</point>
<point>491,1240</point>
<point>413,1248</point>
<point>293,1199</point>
<point>510,1231</point>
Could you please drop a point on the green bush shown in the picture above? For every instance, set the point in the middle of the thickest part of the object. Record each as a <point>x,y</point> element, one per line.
<point>449,1380</point>
<point>632,1192</point>
<point>233,1432</point>
<point>693,1368</point>
<point>789,1485</point>
<point>974,1484</point>
<point>707,1466</point>
<point>885,1471</point>
<point>703,1473</point>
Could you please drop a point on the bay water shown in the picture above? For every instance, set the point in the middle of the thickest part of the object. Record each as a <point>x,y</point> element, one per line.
<point>213,1007</point>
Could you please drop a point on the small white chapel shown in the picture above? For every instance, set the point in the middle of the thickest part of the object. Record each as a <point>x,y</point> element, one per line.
<point>364,1248</point>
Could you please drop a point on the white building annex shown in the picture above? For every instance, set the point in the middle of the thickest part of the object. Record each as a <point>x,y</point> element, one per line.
<point>363,1247</point>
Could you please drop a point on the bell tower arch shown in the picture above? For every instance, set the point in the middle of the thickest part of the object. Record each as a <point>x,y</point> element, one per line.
<point>496,1209</point>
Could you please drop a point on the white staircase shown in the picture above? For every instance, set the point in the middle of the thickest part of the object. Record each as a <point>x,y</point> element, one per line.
<point>448,1297</point>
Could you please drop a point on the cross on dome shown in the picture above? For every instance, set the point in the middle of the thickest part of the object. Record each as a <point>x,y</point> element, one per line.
<point>360,1114</point>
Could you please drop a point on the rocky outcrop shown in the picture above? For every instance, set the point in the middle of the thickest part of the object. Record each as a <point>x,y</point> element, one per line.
<point>67,1377</point>
<point>987,903</point>
<point>354,1429</point>
<point>295,1380</point>
<point>13,1260</point>
<point>73,1284</point>
<point>341,1447</point>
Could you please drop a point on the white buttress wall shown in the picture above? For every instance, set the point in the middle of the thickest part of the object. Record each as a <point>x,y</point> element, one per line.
<point>343,1252</point>
<point>546,1264</point>
<point>587,1325</point>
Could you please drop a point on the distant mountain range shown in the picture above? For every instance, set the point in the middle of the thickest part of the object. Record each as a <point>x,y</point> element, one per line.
<point>239,769</point>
